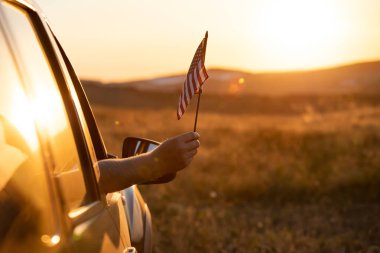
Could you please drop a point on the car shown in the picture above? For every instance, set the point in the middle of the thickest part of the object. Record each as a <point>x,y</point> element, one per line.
<point>50,198</point>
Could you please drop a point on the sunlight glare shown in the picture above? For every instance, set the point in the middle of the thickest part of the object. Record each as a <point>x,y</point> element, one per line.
<point>50,240</point>
<point>48,109</point>
<point>297,32</point>
<point>236,86</point>
<point>21,119</point>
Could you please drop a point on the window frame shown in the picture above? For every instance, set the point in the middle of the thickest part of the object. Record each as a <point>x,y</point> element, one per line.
<point>86,163</point>
<point>98,143</point>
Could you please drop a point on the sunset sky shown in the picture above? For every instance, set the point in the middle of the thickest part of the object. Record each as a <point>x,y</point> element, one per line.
<point>120,40</point>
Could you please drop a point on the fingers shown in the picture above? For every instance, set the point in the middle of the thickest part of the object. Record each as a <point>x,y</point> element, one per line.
<point>191,154</point>
<point>188,157</point>
<point>191,141</point>
<point>192,145</point>
<point>187,137</point>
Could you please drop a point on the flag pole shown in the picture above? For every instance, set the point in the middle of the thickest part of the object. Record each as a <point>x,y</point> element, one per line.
<point>200,89</point>
<point>196,114</point>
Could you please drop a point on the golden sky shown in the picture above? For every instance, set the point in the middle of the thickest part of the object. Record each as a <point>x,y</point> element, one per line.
<point>120,40</point>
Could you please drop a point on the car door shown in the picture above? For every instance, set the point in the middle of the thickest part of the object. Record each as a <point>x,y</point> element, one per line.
<point>86,213</point>
<point>28,212</point>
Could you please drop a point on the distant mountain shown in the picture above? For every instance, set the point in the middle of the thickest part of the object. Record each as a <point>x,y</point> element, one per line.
<point>355,78</point>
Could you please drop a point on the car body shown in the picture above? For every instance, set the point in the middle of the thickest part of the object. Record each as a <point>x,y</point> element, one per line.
<point>50,199</point>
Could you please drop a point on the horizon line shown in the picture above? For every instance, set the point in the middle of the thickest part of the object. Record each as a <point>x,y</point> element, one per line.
<point>234,69</point>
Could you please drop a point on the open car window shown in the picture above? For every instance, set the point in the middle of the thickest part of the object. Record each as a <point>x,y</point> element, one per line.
<point>97,140</point>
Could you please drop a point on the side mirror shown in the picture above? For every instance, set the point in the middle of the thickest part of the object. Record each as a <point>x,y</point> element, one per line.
<point>133,146</point>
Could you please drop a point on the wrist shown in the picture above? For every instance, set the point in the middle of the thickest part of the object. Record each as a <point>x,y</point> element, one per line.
<point>151,168</point>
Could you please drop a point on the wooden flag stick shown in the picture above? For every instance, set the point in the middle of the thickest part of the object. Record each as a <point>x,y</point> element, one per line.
<point>196,114</point>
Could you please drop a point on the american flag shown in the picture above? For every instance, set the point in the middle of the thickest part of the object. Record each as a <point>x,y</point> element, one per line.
<point>195,78</point>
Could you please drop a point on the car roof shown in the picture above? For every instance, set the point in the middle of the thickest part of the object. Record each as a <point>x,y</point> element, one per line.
<point>29,3</point>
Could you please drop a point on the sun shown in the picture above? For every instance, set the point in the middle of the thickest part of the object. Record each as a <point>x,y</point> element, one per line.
<point>297,33</point>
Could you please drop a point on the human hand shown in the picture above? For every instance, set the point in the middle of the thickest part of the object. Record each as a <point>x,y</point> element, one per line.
<point>175,153</point>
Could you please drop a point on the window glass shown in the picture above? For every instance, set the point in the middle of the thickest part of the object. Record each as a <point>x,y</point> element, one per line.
<point>74,96</point>
<point>48,108</point>
<point>25,203</point>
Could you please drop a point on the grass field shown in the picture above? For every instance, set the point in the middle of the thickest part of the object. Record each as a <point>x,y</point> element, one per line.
<point>284,174</point>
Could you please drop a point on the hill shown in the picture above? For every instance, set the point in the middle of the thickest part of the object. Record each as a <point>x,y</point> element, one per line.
<point>237,92</point>
<point>355,78</point>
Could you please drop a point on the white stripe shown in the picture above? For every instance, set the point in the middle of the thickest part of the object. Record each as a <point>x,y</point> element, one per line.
<point>191,86</point>
<point>183,98</point>
<point>196,79</point>
<point>187,95</point>
<point>183,103</point>
<point>201,71</point>
<point>196,74</point>
<point>183,93</point>
<point>180,100</point>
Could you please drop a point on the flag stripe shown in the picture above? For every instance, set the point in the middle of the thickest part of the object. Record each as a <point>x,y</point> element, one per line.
<point>187,97</point>
<point>191,85</point>
<point>204,72</point>
<point>192,88</point>
<point>195,83</point>
<point>182,101</point>
<point>198,79</point>
<point>201,71</point>
<point>188,90</point>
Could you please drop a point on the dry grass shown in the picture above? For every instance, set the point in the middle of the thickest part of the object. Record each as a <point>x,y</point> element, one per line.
<point>298,180</point>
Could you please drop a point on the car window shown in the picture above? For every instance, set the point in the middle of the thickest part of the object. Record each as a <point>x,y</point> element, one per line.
<point>91,125</point>
<point>50,112</point>
<point>82,107</point>
<point>25,200</point>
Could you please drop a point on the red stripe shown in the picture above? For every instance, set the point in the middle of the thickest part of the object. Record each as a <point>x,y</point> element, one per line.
<point>180,100</point>
<point>184,104</point>
<point>204,73</point>
<point>184,93</point>
<point>191,86</point>
<point>188,90</point>
<point>179,115</point>
<point>196,84</point>
<point>200,81</point>
<point>182,109</point>
<point>196,77</point>
<point>183,99</point>
<point>179,106</point>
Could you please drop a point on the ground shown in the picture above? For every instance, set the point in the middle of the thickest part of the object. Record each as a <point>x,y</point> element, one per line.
<point>273,174</point>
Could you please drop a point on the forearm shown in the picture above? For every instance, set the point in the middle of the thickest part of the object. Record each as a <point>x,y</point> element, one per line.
<point>118,174</point>
<point>169,157</point>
